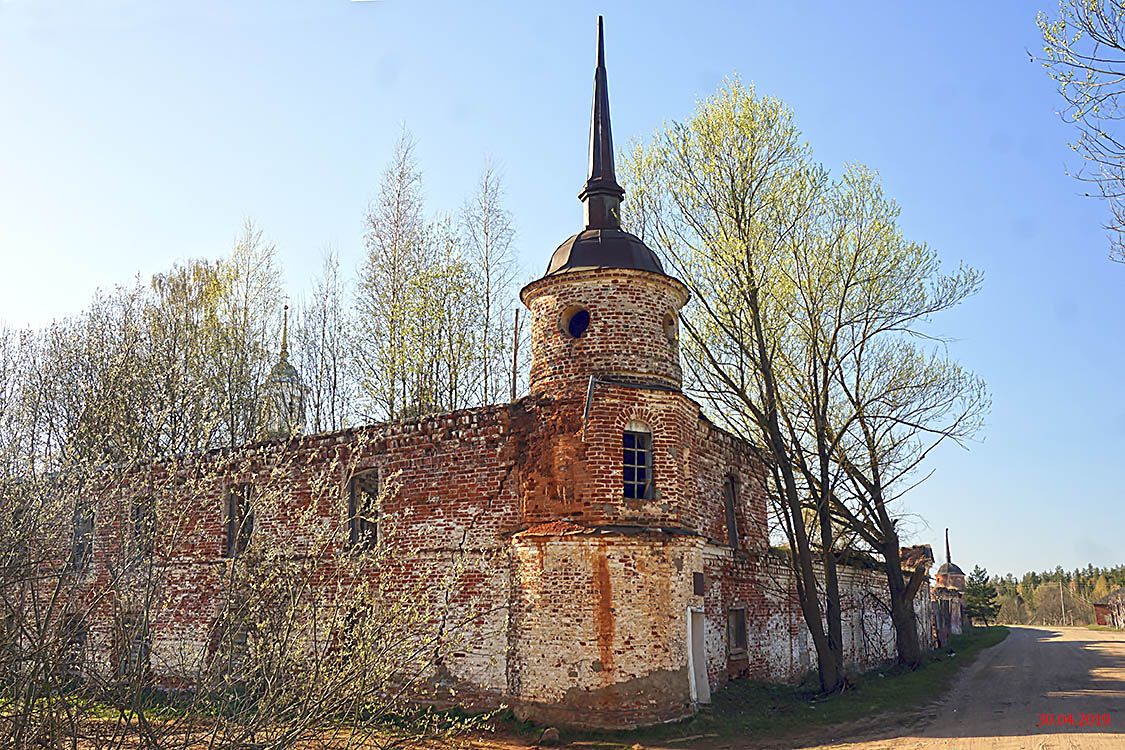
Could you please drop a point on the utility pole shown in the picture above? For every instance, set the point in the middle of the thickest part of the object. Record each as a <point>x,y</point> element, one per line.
<point>515,352</point>
<point>1062,601</point>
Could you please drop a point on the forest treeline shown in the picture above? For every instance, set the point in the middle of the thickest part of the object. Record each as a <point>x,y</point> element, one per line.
<point>1055,597</point>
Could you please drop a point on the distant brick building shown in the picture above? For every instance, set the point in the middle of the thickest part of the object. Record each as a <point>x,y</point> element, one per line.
<point>618,538</point>
<point>948,595</point>
<point>1110,610</point>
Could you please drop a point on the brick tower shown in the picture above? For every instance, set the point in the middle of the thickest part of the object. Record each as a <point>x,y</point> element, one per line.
<point>611,561</point>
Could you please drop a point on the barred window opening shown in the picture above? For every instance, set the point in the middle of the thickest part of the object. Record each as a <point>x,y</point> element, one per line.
<point>143,518</point>
<point>637,463</point>
<point>133,645</point>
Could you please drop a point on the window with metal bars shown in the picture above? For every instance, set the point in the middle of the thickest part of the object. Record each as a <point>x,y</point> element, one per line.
<point>143,521</point>
<point>637,464</point>
<point>132,645</point>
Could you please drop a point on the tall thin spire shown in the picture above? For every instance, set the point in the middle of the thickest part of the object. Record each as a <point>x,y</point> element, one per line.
<point>285,333</point>
<point>948,559</point>
<point>601,194</point>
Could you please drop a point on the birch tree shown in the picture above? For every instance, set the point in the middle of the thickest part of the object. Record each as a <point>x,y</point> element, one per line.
<point>322,335</point>
<point>395,230</point>
<point>488,233</point>
<point>248,317</point>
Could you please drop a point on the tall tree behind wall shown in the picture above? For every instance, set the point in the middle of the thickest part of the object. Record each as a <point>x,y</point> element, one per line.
<point>436,298</point>
<point>321,334</point>
<point>150,370</point>
<point>249,313</point>
<point>185,356</point>
<point>445,302</point>
<point>394,234</point>
<point>488,234</point>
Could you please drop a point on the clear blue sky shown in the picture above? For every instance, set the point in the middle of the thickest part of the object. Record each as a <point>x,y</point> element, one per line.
<point>134,134</point>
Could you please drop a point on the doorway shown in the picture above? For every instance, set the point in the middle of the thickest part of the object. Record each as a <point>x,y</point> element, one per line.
<point>697,657</point>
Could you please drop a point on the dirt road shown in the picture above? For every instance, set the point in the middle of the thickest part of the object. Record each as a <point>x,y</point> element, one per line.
<point>998,703</point>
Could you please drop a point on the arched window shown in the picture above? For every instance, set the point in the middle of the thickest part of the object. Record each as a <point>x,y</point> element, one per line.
<point>671,327</point>
<point>637,465</point>
<point>363,510</point>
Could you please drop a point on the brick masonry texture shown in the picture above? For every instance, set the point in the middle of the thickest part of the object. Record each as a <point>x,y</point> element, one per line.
<point>633,319</point>
<point>579,598</point>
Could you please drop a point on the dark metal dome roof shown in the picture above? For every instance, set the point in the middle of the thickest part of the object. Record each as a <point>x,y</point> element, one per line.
<point>603,248</point>
<point>948,568</point>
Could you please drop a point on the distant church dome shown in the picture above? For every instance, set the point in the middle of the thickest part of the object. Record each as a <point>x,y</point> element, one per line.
<point>949,576</point>
<point>283,372</point>
<point>282,408</point>
<point>947,568</point>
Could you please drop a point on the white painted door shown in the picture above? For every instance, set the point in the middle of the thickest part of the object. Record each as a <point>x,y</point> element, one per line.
<point>697,658</point>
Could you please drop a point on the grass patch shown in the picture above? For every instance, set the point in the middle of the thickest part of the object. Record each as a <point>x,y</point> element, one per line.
<point>1101,627</point>
<point>763,711</point>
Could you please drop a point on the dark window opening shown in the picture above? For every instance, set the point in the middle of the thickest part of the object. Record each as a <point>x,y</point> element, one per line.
<point>577,323</point>
<point>133,646</point>
<point>82,547</point>
<point>143,522</point>
<point>736,630</point>
<point>240,519</point>
<point>730,491</point>
<point>698,584</point>
<point>73,657</point>
<point>638,465</point>
<point>363,510</point>
<point>237,653</point>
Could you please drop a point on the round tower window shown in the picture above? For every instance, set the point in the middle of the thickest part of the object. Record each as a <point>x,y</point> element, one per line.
<point>575,321</point>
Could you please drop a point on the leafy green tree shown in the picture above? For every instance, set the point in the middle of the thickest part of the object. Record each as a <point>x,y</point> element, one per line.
<point>809,306</point>
<point>980,596</point>
<point>726,197</point>
<point>1100,588</point>
<point>1084,52</point>
<point>488,233</point>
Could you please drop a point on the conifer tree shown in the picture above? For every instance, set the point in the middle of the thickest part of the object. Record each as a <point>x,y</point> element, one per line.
<point>980,596</point>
